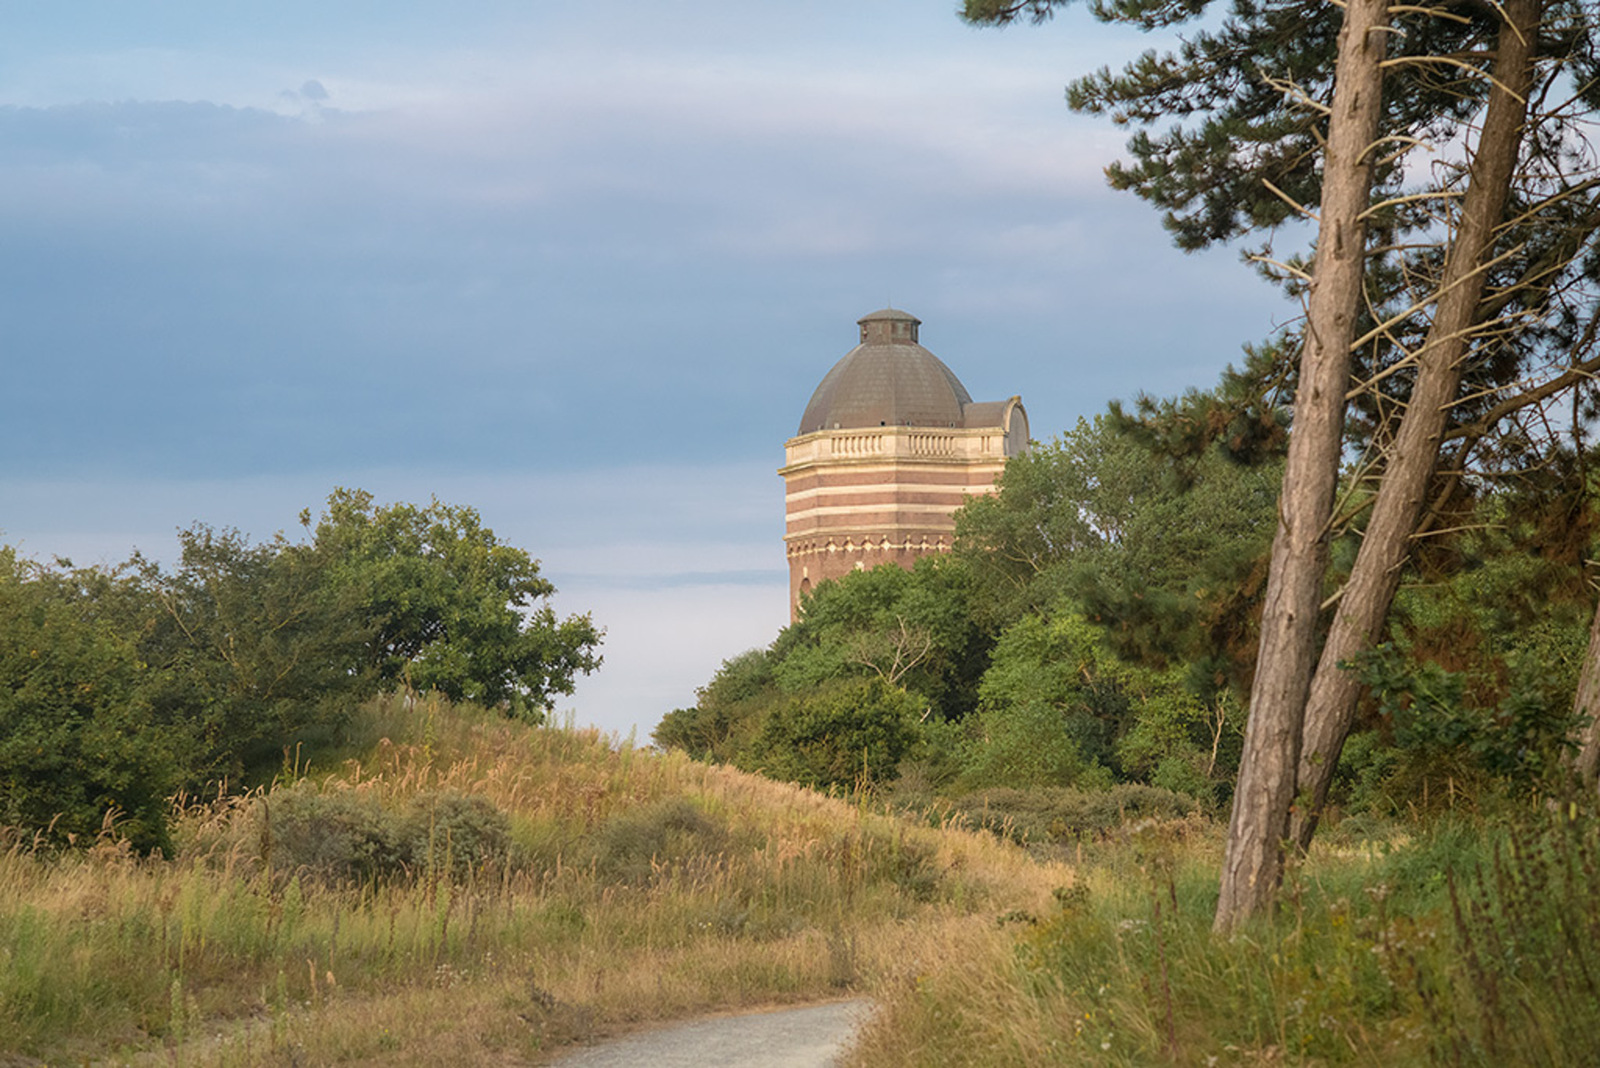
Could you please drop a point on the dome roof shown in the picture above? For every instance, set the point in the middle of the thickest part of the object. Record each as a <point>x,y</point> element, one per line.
<point>887,380</point>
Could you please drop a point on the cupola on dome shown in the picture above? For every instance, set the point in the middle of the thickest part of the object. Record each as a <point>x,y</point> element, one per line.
<point>887,380</point>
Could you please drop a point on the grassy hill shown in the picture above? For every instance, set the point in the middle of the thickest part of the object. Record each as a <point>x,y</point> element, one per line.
<point>466,889</point>
<point>457,888</point>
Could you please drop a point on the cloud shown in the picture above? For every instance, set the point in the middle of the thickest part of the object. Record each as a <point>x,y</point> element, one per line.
<point>528,241</point>
<point>579,266</point>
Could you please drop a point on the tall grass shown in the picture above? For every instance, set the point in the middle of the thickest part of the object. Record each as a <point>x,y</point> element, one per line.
<point>457,887</point>
<point>468,887</point>
<point>1469,945</point>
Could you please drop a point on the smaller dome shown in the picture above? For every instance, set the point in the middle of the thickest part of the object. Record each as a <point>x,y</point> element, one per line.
<point>887,380</point>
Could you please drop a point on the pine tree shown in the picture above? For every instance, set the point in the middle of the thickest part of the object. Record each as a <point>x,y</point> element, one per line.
<point>1473,244</point>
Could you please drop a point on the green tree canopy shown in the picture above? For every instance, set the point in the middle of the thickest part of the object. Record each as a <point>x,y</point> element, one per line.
<point>119,685</point>
<point>1167,554</point>
<point>727,711</point>
<point>914,629</point>
<point>848,732</point>
<point>81,735</point>
<point>450,607</point>
<point>253,644</point>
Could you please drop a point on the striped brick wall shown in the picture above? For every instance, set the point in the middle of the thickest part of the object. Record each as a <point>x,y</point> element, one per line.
<point>859,498</point>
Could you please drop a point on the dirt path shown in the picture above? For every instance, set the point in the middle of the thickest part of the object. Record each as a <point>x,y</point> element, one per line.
<point>812,1037</point>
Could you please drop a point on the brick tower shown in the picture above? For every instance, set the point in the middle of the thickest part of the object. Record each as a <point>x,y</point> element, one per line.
<point>889,447</point>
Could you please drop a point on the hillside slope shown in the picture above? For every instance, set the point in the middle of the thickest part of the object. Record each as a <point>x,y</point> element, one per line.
<point>469,889</point>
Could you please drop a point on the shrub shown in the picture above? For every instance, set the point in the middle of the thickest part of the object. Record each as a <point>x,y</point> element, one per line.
<point>1186,774</point>
<point>456,834</point>
<point>1026,746</point>
<point>81,740</point>
<point>349,836</point>
<point>1040,816</point>
<point>336,835</point>
<point>854,731</point>
<point>633,845</point>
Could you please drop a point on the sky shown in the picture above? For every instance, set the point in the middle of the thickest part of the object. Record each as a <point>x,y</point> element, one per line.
<point>578,266</point>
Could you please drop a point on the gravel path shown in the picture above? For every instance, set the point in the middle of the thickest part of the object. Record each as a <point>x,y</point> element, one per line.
<point>812,1037</point>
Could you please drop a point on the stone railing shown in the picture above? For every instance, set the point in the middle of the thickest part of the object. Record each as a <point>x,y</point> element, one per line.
<point>960,444</point>
<point>850,444</point>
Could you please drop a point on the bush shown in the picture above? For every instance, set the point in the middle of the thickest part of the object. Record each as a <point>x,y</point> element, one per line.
<point>1186,774</point>
<point>81,739</point>
<point>455,834</point>
<point>852,732</point>
<point>336,836</point>
<point>1026,746</point>
<point>634,845</point>
<point>349,836</point>
<point>1060,815</point>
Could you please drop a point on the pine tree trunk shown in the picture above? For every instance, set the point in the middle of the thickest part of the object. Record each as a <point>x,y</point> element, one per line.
<point>1253,862</point>
<point>1587,703</point>
<point>1369,594</point>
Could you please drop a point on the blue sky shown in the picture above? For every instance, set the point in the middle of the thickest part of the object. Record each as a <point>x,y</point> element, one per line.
<point>578,266</point>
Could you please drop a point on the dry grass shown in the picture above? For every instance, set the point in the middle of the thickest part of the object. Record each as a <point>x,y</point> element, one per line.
<point>1456,945</point>
<point>636,887</point>
<point>531,888</point>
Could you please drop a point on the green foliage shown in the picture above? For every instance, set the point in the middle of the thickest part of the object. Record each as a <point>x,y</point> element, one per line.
<point>844,734</point>
<point>118,686</point>
<point>911,628</point>
<point>1228,141</point>
<point>350,837</point>
<point>1061,665</point>
<point>1140,978</point>
<point>1041,816</point>
<point>636,844</point>
<point>1465,944</point>
<point>1089,626</point>
<point>252,645</point>
<point>1167,555</point>
<point>1058,703</point>
<point>1522,739</point>
<point>1095,626</point>
<point>81,738</point>
<point>452,608</point>
<point>1245,417</point>
<point>730,708</point>
<point>1056,503</point>
<point>1026,745</point>
<point>1496,607</point>
<point>894,640</point>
